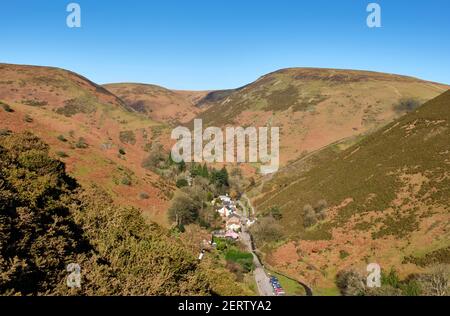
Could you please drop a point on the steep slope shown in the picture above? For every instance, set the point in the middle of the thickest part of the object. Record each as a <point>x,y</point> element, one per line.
<point>62,91</point>
<point>317,107</point>
<point>98,136</point>
<point>158,103</point>
<point>388,202</point>
<point>47,221</point>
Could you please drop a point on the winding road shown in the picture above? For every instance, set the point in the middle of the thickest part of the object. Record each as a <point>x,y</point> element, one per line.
<point>261,277</point>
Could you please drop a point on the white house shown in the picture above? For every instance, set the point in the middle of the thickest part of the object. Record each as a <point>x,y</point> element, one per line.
<point>233,223</point>
<point>225,211</point>
<point>225,198</point>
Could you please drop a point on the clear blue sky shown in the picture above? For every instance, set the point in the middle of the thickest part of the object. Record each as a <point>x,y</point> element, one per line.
<point>216,44</point>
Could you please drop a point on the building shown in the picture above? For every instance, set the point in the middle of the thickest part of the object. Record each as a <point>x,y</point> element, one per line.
<point>233,223</point>
<point>232,235</point>
<point>225,211</point>
<point>225,199</point>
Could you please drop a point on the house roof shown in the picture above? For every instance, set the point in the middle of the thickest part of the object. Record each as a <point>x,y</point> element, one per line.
<point>233,220</point>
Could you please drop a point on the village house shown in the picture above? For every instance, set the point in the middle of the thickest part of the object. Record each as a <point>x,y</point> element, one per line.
<point>225,211</point>
<point>232,235</point>
<point>225,199</point>
<point>233,223</point>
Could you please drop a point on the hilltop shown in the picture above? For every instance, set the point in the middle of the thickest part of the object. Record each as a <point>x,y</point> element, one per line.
<point>318,107</point>
<point>100,138</point>
<point>385,200</point>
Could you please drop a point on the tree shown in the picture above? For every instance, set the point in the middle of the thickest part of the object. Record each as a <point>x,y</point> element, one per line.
<point>184,209</point>
<point>156,158</point>
<point>350,283</point>
<point>181,183</point>
<point>437,282</point>
<point>309,216</point>
<point>267,230</point>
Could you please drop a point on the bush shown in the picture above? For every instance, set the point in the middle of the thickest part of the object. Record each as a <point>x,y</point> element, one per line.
<point>144,196</point>
<point>127,137</point>
<point>275,212</point>
<point>62,138</point>
<point>126,181</point>
<point>407,105</point>
<point>6,107</point>
<point>267,230</point>
<point>244,259</point>
<point>122,152</point>
<point>350,283</point>
<point>181,183</point>
<point>155,159</point>
<point>36,103</point>
<point>5,132</point>
<point>81,143</point>
<point>62,154</point>
<point>309,216</point>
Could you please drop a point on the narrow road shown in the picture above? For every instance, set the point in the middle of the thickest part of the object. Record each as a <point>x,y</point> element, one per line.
<point>261,278</point>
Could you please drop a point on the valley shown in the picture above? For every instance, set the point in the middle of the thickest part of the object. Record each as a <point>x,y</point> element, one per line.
<point>363,178</point>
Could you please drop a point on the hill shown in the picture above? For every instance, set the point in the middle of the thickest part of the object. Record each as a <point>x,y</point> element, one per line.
<point>317,107</point>
<point>385,199</point>
<point>100,138</point>
<point>158,103</point>
<point>47,221</point>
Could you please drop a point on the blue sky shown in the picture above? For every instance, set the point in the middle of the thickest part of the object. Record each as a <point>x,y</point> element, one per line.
<point>217,44</point>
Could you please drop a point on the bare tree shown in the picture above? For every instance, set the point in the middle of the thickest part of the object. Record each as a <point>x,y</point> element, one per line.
<point>437,283</point>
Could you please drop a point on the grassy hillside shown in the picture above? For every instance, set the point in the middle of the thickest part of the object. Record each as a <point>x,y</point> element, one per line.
<point>386,200</point>
<point>159,104</point>
<point>62,91</point>
<point>48,221</point>
<point>100,138</point>
<point>317,107</point>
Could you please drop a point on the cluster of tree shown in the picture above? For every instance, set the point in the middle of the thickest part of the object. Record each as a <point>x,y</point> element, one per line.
<point>47,222</point>
<point>266,230</point>
<point>434,283</point>
<point>407,105</point>
<point>190,203</point>
<point>311,215</point>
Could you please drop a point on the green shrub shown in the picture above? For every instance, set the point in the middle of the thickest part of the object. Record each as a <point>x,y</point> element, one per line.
<point>62,154</point>
<point>76,106</point>
<point>81,143</point>
<point>407,105</point>
<point>126,181</point>
<point>62,138</point>
<point>245,259</point>
<point>181,183</point>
